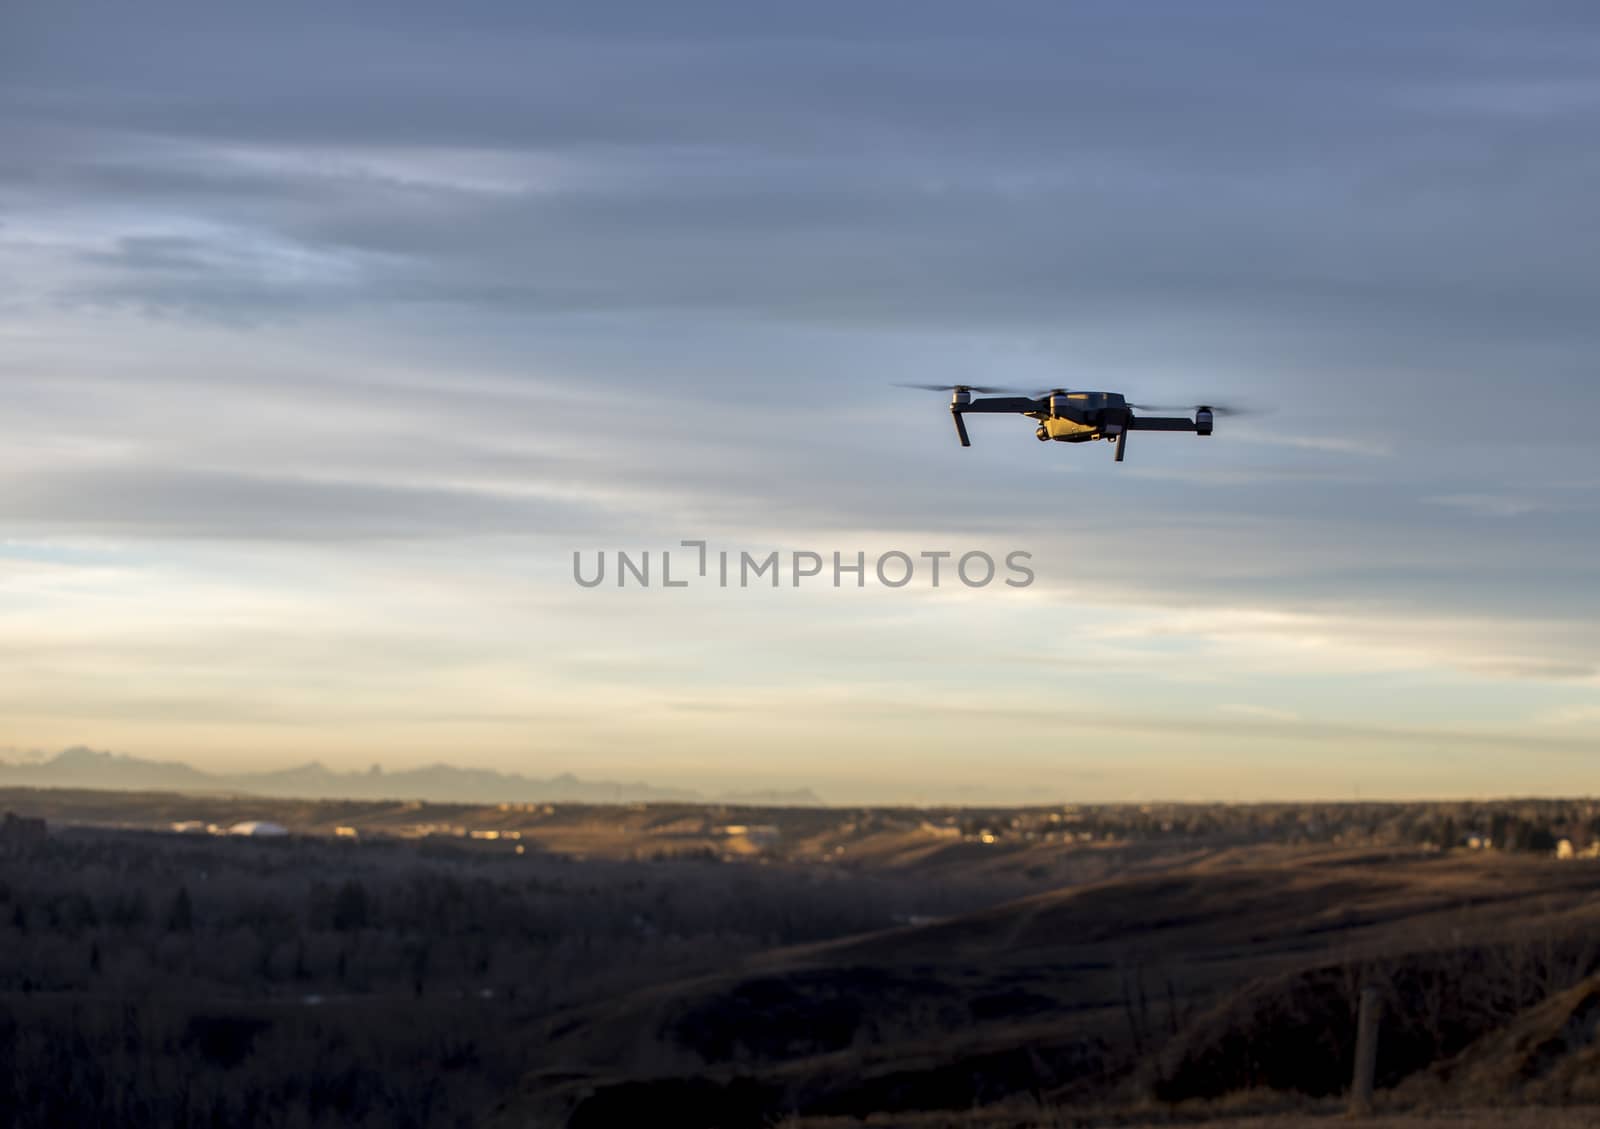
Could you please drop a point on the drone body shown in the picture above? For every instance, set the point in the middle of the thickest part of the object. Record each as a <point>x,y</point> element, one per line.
<point>1072,416</point>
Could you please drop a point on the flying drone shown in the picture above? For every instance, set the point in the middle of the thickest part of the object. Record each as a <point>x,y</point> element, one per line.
<point>1069,416</point>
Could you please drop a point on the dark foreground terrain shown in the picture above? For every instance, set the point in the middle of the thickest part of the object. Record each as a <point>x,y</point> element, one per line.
<point>399,964</point>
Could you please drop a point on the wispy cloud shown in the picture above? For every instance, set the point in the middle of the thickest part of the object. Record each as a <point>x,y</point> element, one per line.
<point>1266,713</point>
<point>1335,444</point>
<point>1573,716</point>
<point>1498,505</point>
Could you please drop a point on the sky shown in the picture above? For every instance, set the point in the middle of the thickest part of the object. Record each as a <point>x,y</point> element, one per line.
<point>330,333</point>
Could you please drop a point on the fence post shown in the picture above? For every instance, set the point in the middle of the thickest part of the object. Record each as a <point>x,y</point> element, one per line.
<point>1366,1053</point>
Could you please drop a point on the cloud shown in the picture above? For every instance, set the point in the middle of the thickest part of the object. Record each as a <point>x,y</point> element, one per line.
<point>455,296</point>
<point>1265,713</point>
<point>1576,716</point>
<point>1496,505</point>
<point>550,166</point>
<point>223,505</point>
<point>1337,444</point>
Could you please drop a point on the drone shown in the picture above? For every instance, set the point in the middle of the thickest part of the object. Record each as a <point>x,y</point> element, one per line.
<point>1071,416</point>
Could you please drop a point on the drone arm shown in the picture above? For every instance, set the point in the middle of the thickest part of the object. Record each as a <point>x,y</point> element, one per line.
<point>991,405</point>
<point>1161,423</point>
<point>1005,404</point>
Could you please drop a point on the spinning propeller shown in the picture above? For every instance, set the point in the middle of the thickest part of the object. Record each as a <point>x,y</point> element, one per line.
<point>960,397</point>
<point>1215,409</point>
<point>983,390</point>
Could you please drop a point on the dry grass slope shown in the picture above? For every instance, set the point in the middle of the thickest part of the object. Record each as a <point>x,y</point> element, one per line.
<point>1151,991</point>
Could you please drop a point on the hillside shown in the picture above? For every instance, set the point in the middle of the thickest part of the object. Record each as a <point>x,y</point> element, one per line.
<point>1217,976</point>
<point>722,964</point>
<point>1548,1054</point>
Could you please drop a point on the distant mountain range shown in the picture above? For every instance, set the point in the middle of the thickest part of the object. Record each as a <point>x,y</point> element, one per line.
<point>441,783</point>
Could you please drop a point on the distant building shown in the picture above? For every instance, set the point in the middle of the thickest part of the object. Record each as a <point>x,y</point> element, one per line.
<point>190,827</point>
<point>259,829</point>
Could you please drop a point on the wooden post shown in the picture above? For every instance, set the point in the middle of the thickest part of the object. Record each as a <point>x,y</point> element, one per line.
<point>1366,1053</point>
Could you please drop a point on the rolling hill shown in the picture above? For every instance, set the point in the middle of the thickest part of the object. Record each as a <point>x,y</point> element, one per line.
<point>1237,972</point>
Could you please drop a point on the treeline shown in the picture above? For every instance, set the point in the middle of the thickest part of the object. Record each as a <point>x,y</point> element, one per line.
<point>159,980</point>
<point>1536,826</point>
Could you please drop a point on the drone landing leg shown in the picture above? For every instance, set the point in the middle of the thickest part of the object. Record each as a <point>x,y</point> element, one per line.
<point>1122,444</point>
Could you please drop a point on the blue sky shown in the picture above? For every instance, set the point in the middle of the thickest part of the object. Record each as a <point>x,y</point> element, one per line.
<point>328,337</point>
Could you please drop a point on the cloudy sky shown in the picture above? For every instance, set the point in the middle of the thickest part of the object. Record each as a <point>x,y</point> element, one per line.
<point>328,334</point>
